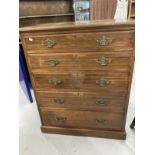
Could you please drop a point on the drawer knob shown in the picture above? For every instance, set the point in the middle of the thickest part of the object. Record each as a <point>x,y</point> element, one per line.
<point>58,100</point>
<point>55,82</point>
<point>52,62</point>
<point>103,82</point>
<point>104,41</point>
<point>101,101</point>
<point>60,118</point>
<point>101,121</point>
<point>48,43</point>
<point>103,61</point>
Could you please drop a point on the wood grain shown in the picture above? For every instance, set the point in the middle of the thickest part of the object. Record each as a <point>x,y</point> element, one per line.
<point>44,11</point>
<point>79,61</point>
<point>31,8</point>
<point>79,41</point>
<point>88,100</point>
<point>102,9</point>
<point>77,52</point>
<point>85,132</point>
<point>81,119</point>
<point>68,27</point>
<point>80,80</point>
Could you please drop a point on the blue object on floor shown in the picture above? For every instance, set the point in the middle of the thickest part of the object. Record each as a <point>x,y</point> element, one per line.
<point>24,73</point>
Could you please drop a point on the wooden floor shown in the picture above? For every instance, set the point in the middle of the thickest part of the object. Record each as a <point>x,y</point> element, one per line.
<point>33,142</point>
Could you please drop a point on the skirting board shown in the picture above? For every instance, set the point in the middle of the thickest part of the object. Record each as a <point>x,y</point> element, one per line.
<point>85,132</point>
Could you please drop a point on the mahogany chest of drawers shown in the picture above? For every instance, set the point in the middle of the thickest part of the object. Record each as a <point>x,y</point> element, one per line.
<point>81,75</point>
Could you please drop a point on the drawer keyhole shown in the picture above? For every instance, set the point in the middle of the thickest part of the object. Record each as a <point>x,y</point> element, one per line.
<point>104,41</point>
<point>101,121</point>
<point>60,118</point>
<point>103,82</point>
<point>101,102</point>
<point>57,100</point>
<point>55,82</point>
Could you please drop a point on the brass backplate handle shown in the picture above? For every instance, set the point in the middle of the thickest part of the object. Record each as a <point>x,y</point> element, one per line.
<point>103,82</point>
<point>101,101</point>
<point>57,100</point>
<point>55,82</point>
<point>60,118</point>
<point>101,121</point>
<point>103,61</point>
<point>52,62</point>
<point>48,43</point>
<point>104,41</point>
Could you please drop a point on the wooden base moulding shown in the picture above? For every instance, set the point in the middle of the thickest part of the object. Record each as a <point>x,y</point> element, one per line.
<point>85,132</point>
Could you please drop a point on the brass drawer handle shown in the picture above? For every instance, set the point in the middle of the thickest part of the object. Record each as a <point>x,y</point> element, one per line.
<point>104,61</point>
<point>101,101</point>
<point>58,100</point>
<point>48,43</point>
<point>101,121</point>
<point>52,62</point>
<point>104,41</point>
<point>60,118</point>
<point>55,82</point>
<point>103,82</point>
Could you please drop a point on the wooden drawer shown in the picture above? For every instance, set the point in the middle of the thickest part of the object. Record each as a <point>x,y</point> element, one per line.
<point>81,119</point>
<point>84,61</point>
<point>55,81</point>
<point>63,42</point>
<point>80,80</point>
<point>82,100</point>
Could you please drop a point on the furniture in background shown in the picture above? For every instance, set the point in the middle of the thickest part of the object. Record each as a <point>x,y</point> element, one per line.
<point>81,10</point>
<point>132,9</point>
<point>81,75</point>
<point>23,74</point>
<point>102,9</point>
<point>44,11</point>
<point>132,126</point>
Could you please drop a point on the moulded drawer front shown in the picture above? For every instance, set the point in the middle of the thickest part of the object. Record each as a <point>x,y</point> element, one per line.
<point>80,80</point>
<point>84,61</point>
<point>99,100</point>
<point>55,81</point>
<point>82,119</point>
<point>100,40</point>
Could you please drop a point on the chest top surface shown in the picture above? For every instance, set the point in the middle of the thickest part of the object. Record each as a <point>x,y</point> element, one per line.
<point>91,25</point>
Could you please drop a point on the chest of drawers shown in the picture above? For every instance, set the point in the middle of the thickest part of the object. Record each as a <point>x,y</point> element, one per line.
<point>81,75</point>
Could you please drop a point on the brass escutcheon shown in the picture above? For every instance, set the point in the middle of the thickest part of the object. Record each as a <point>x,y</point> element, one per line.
<point>104,41</point>
<point>48,43</point>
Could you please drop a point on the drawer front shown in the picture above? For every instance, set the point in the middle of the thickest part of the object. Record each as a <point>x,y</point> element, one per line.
<point>55,81</point>
<point>79,80</point>
<point>82,119</point>
<point>100,40</point>
<point>102,81</point>
<point>82,100</point>
<point>85,61</point>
